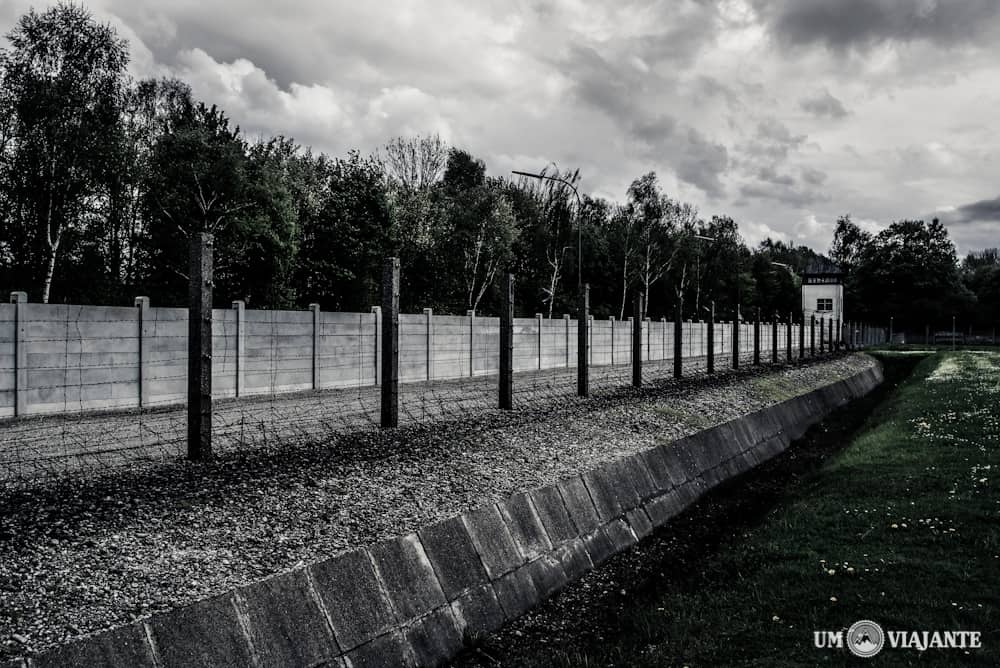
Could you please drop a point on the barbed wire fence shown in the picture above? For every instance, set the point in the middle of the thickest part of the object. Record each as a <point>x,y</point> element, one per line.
<point>89,389</point>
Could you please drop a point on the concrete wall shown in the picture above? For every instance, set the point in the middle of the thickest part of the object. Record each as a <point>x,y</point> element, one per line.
<point>63,359</point>
<point>411,600</point>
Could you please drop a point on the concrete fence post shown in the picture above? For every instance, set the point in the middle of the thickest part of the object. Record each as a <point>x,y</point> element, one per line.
<point>756,336</point>
<point>710,343</point>
<point>611,319</point>
<point>539,320</point>
<point>678,342</point>
<point>390,343</point>
<point>637,340</point>
<point>317,325</point>
<point>648,328</point>
<point>240,365</point>
<point>774,339</point>
<point>142,314</point>
<point>471,314</point>
<point>663,335</point>
<point>429,342</point>
<point>736,339</point>
<point>377,312</point>
<point>583,342</point>
<point>927,334</point>
<point>830,340</point>
<point>566,329</point>
<point>199,399</point>
<point>18,299</point>
<point>506,389</point>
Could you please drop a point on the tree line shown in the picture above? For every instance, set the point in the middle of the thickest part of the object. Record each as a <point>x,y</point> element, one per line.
<point>103,180</point>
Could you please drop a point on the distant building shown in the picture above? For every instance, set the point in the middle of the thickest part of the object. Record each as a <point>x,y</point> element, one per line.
<point>823,290</point>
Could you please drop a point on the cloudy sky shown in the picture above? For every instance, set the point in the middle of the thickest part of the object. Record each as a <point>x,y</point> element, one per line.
<point>781,113</point>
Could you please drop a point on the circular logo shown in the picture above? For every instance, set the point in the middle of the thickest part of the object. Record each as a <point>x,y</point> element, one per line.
<point>865,638</point>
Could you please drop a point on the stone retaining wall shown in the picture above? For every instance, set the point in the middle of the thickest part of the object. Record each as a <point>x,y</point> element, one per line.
<point>415,600</point>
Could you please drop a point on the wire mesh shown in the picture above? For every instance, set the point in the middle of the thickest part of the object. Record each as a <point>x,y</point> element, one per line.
<point>91,388</point>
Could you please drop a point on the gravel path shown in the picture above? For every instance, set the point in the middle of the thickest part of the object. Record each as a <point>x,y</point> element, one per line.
<point>82,555</point>
<point>43,447</point>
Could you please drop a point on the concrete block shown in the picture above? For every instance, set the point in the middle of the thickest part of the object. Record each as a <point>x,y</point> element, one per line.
<point>516,593</point>
<point>206,634</point>
<point>407,576</point>
<point>620,534</point>
<point>579,504</point>
<point>122,647</point>
<point>286,624</point>
<point>662,509</point>
<point>525,526</point>
<point>553,514</point>
<point>358,607</point>
<point>450,550</point>
<point>548,575</point>
<point>602,492</point>
<point>640,477</point>
<point>599,546</point>
<point>674,464</point>
<point>640,523</point>
<point>493,540</point>
<point>619,476</point>
<point>434,638</point>
<point>386,651</point>
<point>657,466</point>
<point>477,613</point>
<point>574,558</point>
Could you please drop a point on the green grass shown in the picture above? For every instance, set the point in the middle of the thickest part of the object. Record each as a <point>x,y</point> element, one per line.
<point>907,518</point>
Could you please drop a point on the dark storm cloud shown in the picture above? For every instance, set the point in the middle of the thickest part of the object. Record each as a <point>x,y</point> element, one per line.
<point>823,104</point>
<point>986,210</point>
<point>845,24</point>
<point>786,194</point>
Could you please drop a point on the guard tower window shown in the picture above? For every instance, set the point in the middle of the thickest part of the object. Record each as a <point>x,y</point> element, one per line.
<point>824,304</point>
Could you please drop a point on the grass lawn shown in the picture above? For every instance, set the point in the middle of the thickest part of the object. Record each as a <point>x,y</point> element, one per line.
<point>901,527</point>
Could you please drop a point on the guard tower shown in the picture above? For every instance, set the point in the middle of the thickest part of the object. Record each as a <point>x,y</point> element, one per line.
<point>823,290</point>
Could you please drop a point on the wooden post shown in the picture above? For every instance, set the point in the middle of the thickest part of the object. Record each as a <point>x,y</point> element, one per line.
<point>802,335</point>
<point>821,330</point>
<point>142,310</point>
<point>583,342</point>
<point>736,339</point>
<point>507,345</point>
<point>199,400</point>
<point>812,335</point>
<point>19,299</point>
<point>756,336</point>
<point>678,342</point>
<point>710,352</point>
<point>390,343</point>
<point>774,339</point>
<point>637,340</point>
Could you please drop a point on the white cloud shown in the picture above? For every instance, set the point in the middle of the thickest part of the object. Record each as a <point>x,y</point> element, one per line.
<point>783,114</point>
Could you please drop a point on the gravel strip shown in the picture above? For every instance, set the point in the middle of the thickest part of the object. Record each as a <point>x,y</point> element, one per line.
<point>79,556</point>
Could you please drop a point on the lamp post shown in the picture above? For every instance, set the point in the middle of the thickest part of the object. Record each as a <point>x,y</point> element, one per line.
<point>579,221</point>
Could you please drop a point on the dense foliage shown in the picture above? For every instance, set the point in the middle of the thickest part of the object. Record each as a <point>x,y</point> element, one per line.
<point>103,180</point>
